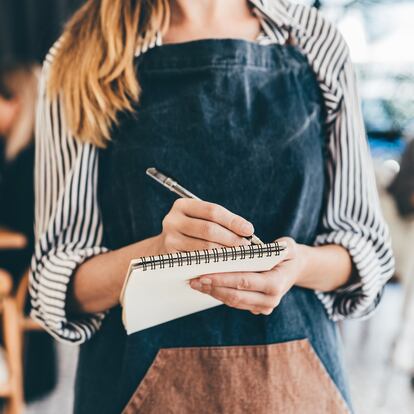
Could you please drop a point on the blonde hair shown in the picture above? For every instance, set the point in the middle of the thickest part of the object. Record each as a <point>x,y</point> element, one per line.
<point>93,70</point>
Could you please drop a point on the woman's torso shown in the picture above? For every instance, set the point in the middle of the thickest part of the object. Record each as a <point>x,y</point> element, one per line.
<point>240,125</point>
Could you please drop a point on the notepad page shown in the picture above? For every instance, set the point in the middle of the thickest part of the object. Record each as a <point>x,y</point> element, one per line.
<point>155,296</point>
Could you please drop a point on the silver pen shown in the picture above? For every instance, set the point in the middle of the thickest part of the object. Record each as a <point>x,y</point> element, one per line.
<point>173,186</point>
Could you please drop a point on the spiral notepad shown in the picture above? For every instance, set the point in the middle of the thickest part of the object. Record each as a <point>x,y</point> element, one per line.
<point>156,288</point>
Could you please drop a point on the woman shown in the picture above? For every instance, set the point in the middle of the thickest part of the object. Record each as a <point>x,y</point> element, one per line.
<point>402,186</point>
<point>252,106</point>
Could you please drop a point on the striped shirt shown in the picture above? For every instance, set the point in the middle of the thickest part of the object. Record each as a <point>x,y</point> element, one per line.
<point>68,224</point>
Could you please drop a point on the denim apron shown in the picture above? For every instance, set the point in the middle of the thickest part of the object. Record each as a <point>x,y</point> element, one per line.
<point>239,124</point>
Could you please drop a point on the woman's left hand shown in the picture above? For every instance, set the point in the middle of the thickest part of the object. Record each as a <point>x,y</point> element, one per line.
<point>258,292</point>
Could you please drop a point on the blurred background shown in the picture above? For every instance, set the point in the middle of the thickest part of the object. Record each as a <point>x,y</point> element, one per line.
<point>379,351</point>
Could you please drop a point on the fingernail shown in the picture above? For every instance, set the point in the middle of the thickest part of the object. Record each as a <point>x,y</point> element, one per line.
<point>205,281</point>
<point>206,288</point>
<point>196,285</point>
<point>247,228</point>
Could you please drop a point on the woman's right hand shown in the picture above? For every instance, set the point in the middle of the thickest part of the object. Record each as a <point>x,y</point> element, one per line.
<point>189,225</point>
<point>195,224</point>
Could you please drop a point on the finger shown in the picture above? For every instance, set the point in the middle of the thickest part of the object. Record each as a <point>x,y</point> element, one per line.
<point>184,243</point>
<point>207,230</point>
<point>290,252</point>
<point>240,299</point>
<point>217,214</point>
<point>256,282</point>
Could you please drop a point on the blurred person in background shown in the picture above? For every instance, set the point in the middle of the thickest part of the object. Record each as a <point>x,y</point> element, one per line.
<point>253,104</point>
<point>402,191</point>
<point>18,92</point>
<point>402,186</point>
<point>18,95</point>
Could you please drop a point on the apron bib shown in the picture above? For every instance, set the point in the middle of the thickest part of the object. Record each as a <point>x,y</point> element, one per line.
<point>238,124</point>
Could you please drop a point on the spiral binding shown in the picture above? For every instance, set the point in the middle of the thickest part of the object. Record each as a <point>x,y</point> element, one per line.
<point>207,256</point>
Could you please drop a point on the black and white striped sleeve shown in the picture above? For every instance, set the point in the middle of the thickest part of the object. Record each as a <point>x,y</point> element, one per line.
<point>68,225</point>
<point>352,217</point>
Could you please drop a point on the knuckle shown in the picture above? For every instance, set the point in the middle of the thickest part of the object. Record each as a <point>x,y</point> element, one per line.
<point>169,220</point>
<point>208,231</point>
<point>234,222</point>
<point>243,283</point>
<point>267,311</point>
<point>271,290</point>
<point>212,211</point>
<point>166,221</point>
<point>179,203</point>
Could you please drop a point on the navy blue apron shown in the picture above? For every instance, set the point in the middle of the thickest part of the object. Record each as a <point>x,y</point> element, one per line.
<point>239,124</point>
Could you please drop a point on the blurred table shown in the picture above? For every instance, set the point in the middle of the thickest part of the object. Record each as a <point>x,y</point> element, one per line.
<point>12,240</point>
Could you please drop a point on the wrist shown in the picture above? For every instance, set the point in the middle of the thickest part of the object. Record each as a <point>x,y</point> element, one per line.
<point>304,257</point>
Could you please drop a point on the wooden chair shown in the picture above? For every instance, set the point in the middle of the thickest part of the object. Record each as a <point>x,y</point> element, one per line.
<point>14,324</point>
<point>12,390</point>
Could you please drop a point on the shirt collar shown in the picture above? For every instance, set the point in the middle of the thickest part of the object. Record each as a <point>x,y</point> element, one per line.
<point>275,10</point>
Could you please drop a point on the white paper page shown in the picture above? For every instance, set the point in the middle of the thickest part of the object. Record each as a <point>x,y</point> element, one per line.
<point>152,297</point>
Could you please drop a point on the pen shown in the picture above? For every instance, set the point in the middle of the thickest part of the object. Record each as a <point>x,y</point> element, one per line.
<point>173,186</point>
